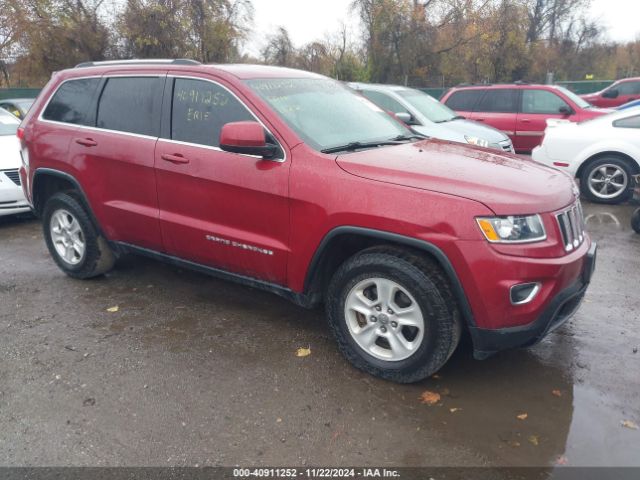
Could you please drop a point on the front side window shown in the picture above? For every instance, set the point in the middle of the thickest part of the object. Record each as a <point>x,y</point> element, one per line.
<point>72,101</point>
<point>630,122</point>
<point>542,101</point>
<point>325,113</point>
<point>129,104</point>
<point>499,100</point>
<point>628,88</point>
<point>200,109</point>
<point>464,100</point>
<point>384,101</point>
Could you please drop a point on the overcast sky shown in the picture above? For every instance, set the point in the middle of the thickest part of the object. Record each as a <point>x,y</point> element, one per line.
<point>306,20</point>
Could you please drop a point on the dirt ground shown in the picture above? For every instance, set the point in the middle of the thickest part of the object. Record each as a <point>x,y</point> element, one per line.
<point>191,370</point>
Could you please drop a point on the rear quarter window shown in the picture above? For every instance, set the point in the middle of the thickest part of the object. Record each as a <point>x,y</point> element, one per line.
<point>631,122</point>
<point>72,101</point>
<point>464,100</point>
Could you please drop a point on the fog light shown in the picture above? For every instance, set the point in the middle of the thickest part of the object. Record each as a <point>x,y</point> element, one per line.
<point>524,293</point>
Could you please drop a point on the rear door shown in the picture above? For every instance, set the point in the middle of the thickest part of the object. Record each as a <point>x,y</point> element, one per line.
<point>537,106</point>
<point>498,108</point>
<point>114,158</point>
<point>221,209</point>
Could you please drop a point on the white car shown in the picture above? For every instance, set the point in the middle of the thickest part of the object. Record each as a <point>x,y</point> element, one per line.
<point>12,198</point>
<point>603,153</point>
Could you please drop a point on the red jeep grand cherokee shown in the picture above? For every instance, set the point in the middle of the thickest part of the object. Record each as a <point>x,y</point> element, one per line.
<point>288,181</point>
<point>519,110</point>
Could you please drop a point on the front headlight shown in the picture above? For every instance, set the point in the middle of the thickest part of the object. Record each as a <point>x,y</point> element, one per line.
<point>512,229</point>
<point>481,142</point>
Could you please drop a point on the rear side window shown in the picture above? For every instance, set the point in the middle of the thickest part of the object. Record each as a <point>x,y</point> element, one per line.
<point>499,100</point>
<point>631,122</point>
<point>130,104</point>
<point>464,100</point>
<point>541,101</point>
<point>72,101</point>
<point>200,109</point>
<point>385,102</point>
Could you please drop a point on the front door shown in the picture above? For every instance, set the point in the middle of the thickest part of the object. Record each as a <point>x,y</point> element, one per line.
<point>221,209</point>
<point>537,107</point>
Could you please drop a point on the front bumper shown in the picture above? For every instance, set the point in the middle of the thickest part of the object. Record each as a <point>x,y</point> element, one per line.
<point>561,307</point>
<point>12,199</point>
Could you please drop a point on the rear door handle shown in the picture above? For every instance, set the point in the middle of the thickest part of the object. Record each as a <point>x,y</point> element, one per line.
<point>175,158</point>
<point>87,142</point>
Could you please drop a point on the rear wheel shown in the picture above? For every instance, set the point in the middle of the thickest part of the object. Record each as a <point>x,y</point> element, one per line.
<point>72,239</point>
<point>607,180</point>
<point>393,314</point>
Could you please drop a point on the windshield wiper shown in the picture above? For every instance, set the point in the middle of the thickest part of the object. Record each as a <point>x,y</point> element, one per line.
<point>360,145</point>
<point>457,117</point>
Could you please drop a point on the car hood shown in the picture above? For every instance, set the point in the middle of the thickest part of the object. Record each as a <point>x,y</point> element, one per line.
<point>9,152</point>
<point>506,184</point>
<point>456,130</point>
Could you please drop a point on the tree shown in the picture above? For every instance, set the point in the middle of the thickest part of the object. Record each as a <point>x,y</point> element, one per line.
<point>279,49</point>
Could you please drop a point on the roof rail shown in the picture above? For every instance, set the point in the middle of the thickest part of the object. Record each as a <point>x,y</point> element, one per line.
<point>466,84</point>
<point>521,82</point>
<point>135,61</point>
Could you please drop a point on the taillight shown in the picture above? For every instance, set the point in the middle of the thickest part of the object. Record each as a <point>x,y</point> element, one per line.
<point>20,133</point>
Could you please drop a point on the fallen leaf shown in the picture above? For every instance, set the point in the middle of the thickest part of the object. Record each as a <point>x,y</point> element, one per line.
<point>429,398</point>
<point>630,424</point>
<point>436,376</point>
<point>113,309</point>
<point>454,410</point>
<point>562,460</point>
<point>303,352</point>
<point>514,443</point>
<point>522,416</point>
<point>445,392</point>
<point>533,440</point>
<point>557,393</point>
<point>278,420</point>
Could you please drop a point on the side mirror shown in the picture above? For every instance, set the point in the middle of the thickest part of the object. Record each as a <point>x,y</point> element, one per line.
<point>405,117</point>
<point>611,93</point>
<point>564,110</point>
<point>247,138</point>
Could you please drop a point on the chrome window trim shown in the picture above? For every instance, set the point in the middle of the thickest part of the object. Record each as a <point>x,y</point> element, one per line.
<point>97,129</point>
<point>189,77</point>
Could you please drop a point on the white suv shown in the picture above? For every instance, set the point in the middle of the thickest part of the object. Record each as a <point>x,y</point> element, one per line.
<point>11,196</point>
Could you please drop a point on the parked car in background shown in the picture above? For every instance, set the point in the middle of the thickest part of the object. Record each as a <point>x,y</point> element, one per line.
<point>519,110</point>
<point>291,182</point>
<point>633,104</point>
<point>616,94</point>
<point>12,199</point>
<point>428,116</point>
<point>604,153</point>
<point>17,106</point>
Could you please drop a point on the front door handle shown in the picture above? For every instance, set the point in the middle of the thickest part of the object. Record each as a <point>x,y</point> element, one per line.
<point>525,120</point>
<point>175,158</point>
<point>87,142</point>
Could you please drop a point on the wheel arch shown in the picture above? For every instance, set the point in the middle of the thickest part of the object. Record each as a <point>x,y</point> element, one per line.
<point>47,182</point>
<point>343,242</point>
<point>607,153</point>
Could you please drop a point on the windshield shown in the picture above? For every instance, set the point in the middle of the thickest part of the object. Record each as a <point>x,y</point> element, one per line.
<point>428,106</point>
<point>8,124</point>
<point>579,101</point>
<point>325,113</point>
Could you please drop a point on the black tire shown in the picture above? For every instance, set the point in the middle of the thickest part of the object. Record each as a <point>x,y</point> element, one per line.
<point>428,285</point>
<point>97,257</point>
<point>635,220</point>
<point>594,165</point>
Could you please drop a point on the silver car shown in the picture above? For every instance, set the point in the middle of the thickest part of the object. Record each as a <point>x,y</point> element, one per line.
<point>427,116</point>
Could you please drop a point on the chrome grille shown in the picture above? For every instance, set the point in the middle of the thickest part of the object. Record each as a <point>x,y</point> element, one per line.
<point>571,223</point>
<point>13,175</point>
<point>507,146</point>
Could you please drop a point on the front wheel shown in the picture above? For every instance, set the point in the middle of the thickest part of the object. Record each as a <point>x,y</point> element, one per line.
<point>393,314</point>
<point>607,180</point>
